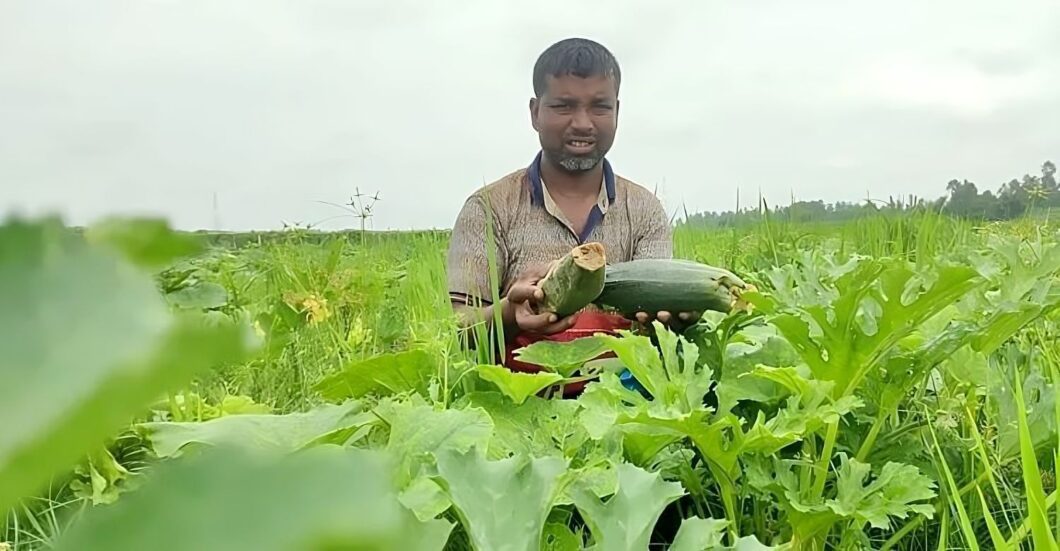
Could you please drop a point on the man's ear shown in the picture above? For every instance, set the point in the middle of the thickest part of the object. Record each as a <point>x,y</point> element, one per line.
<point>534,106</point>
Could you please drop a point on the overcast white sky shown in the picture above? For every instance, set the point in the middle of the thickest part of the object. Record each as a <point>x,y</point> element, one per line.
<point>158,107</point>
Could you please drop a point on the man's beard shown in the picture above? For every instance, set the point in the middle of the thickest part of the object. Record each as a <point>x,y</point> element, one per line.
<point>576,163</point>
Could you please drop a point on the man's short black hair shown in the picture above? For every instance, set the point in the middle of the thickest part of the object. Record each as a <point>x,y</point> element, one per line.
<point>580,57</point>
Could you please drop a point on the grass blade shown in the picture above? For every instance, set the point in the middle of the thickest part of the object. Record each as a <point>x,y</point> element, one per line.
<point>967,530</point>
<point>995,534</point>
<point>1032,479</point>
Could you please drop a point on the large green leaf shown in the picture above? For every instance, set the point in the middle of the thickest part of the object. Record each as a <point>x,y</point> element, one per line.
<point>562,357</point>
<point>322,498</point>
<point>625,522</point>
<point>517,386</point>
<point>503,504</point>
<point>385,374</point>
<point>540,428</point>
<point>756,346</point>
<point>419,432</point>
<point>847,331</point>
<point>86,341</point>
<point>287,432</point>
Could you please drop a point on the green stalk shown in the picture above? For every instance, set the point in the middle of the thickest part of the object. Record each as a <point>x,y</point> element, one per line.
<point>730,510</point>
<point>870,440</point>
<point>824,460</point>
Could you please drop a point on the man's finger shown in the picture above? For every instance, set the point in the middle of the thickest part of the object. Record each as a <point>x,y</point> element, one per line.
<point>559,326</point>
<point>529,321</point>
<point>663,316</point>
<point>642,317</point>
<point>521,292</point>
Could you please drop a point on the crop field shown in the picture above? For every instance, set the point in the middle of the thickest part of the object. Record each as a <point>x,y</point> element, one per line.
<point>892,385</point>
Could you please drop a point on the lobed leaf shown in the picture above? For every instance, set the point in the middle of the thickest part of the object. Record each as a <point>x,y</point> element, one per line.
<point>627,519</point>
<point>503,504</point>
<point>895,492</point>
<point>517,386</point>
<point>562,357</point>
<point>418,433</point>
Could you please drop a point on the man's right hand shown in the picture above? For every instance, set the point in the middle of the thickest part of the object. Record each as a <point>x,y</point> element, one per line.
<point>522,302</point>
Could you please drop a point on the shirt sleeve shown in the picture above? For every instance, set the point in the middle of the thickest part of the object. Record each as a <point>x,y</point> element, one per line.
<point>656,238</point>
<point>468,264</point>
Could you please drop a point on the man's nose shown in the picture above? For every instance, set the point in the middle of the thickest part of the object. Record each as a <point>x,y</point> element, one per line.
<point>581,120</point>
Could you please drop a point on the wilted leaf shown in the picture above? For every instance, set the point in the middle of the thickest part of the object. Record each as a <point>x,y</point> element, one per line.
<point>86,341</point>
<point>385,374</point>
<point>627,519</point>
<point>517,386</point>
<point>287,432</point>
<point>502,504</point>
<point>322,498</point>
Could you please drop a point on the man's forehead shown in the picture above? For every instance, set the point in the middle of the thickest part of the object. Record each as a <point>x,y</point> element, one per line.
<point>572,84</point>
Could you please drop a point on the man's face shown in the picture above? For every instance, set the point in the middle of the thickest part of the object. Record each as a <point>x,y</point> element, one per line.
<point>576,119</point>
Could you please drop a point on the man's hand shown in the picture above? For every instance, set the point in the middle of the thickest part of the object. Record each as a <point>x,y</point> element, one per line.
<point>683,321</point>
<point>521,305</point>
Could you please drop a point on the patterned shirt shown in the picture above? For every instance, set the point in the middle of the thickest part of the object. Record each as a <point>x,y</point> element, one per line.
<point>528,228</point>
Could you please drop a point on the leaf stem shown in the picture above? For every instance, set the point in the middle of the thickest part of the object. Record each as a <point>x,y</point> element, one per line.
<point>870,440</point>
<point>824,460</point>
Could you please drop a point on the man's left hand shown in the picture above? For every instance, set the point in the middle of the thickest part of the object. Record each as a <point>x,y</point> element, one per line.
<point>684,319</point>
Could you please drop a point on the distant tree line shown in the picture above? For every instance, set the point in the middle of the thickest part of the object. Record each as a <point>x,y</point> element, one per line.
<point>1013,199</point>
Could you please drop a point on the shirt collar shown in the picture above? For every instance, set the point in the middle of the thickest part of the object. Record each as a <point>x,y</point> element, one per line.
<point>537,189</point>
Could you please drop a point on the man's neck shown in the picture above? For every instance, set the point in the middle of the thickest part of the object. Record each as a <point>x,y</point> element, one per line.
<point>572,184</point>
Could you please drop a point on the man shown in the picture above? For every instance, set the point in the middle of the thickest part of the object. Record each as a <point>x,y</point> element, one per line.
<point>568,195</point>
